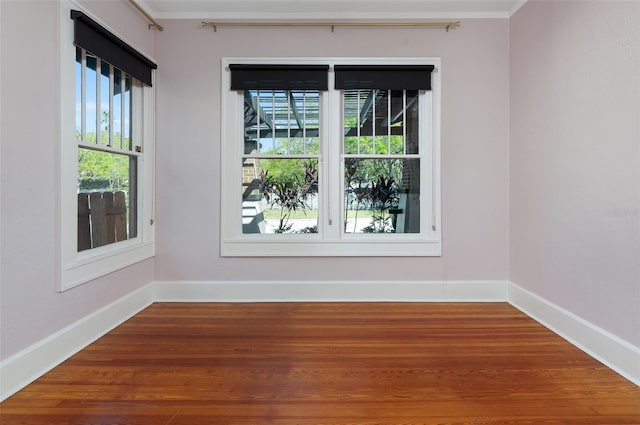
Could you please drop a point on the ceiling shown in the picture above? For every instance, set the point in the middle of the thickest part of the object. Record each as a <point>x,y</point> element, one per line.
<point>330,10</point>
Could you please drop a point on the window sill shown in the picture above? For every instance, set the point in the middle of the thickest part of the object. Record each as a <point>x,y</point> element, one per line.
<point>86,268</point>
<point>257,248</point>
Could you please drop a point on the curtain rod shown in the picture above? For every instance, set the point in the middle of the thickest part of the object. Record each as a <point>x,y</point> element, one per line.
<point>444,25</point>
<point>152,22</point>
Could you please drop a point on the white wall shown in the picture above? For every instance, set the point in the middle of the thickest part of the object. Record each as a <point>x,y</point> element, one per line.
<point>30,306</point>
<point>474,149</point>
<point>575,159</point>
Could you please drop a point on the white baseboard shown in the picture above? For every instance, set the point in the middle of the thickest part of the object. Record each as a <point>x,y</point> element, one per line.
<point>24,367</point>
<point>323,291</point>
<point>612,351</point>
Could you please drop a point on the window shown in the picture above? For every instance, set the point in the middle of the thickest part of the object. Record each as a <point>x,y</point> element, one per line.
<point>331,157</point>
<point>280,161</point>
<point>381,161</point>
<point>106,151</point>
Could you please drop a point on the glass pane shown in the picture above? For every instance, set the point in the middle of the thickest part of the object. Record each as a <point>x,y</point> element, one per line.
<point>297,146</point>
<point>279,195</point>
<point>78,93</point>
<point>351,121</point>
<point>280,115</point>
<point>117,108</point>
<point>366,144</point>
<point>305,106</point>
<point>91,99</point>
<point>358,121</point>
<point>106,198</point>
<point>382,195</point>
<point>105,69</point>
<point>411,122</point>
<point>127,114</point>
<point>380,122</point>
<point>281,122</point>
<point>396,122</point>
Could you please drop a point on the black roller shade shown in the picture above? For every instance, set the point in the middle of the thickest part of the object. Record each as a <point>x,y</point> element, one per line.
<point>279,77</point>
<point>96,39</point>
<point>386,77</point>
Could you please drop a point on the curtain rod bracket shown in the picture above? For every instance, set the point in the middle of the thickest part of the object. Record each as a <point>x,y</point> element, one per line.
<point>452,24</point>
<point>204,24</point>
<point>152,22</point>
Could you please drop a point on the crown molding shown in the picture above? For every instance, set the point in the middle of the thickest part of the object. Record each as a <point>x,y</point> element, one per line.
<point>331,10</point>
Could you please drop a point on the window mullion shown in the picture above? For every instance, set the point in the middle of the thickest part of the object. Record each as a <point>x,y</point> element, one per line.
<point>334,164</point>
<point>378,156</point>
<point>109,149</point>
<point>277,156</point>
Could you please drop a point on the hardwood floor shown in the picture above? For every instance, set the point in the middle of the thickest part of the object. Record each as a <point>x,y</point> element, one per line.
<point>328,363</point>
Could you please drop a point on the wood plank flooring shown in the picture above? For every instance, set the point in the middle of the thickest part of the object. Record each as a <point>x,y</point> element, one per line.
<point>331,364</point>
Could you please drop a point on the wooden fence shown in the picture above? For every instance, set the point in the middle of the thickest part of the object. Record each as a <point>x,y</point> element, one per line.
<point>102,219</point>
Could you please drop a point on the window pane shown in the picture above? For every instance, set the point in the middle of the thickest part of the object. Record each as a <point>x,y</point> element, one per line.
<point>305,108</point>
<point>91,98</point>
<point>78,88</point>
<point>105,113</point>
<point>128,122</point>
<point>366,122</point>
<point>281,122</point>
<point>106,198</point>
<point>117,108</point>
<point>411,122</point>
<point>351,121</point>
<point>380,122</point>
<point>396,122</point>
<point>358,121</point>
<point>279,195</point>
<point>382,195</point>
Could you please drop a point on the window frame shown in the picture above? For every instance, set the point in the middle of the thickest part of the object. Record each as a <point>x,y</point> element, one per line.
<point>78,267</point>
<point>332,240</point>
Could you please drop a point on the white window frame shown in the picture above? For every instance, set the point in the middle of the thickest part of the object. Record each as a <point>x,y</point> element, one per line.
<point>332,241</point>
<point>75,267</point>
